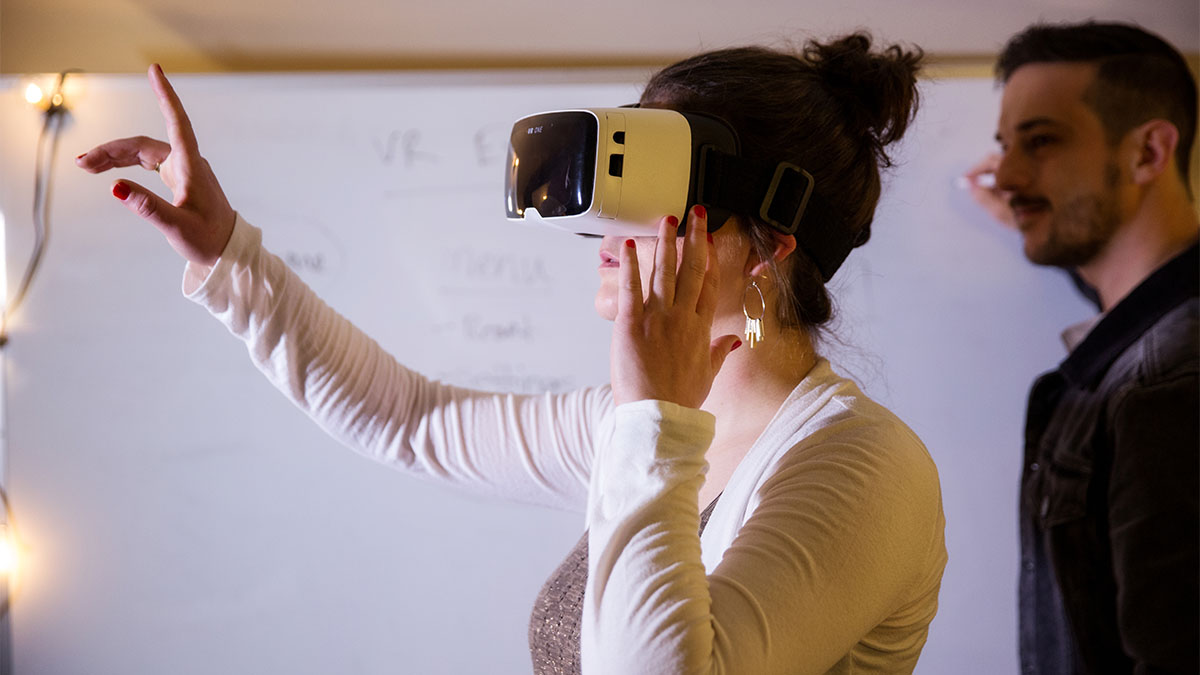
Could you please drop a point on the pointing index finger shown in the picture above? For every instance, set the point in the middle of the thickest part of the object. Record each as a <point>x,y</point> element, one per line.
<point>179,128</point>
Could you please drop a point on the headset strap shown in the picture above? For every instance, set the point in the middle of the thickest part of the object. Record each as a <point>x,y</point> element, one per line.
<point>777,194</point>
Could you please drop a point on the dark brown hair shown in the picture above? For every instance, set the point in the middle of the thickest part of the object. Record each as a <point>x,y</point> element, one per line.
<point>1139,77</point>
<point>831,109</point>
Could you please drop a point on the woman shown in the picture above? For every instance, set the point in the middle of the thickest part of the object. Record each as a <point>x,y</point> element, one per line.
<point>822,544</point>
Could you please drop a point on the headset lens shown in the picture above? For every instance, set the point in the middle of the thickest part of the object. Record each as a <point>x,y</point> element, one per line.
<point>552,164</point>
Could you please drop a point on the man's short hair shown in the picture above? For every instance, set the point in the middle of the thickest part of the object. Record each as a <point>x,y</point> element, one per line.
<point>1139,76</point>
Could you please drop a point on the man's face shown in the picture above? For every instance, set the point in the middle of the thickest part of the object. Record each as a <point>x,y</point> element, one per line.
<point>1058,170</point>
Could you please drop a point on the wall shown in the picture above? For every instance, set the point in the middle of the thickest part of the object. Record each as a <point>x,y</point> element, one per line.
<point>179,516</point>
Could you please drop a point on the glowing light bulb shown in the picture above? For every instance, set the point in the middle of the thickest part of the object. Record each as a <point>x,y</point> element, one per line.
<point>33,94</point>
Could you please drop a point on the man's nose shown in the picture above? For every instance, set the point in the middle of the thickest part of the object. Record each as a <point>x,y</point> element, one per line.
<point>1012,173</point>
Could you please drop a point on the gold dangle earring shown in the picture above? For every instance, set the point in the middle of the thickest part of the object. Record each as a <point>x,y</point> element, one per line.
<point>754,326</point>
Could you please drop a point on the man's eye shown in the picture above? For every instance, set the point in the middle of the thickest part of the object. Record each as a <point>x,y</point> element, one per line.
<point>1039,141</point>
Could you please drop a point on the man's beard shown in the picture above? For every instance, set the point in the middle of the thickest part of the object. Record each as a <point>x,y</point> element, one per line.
<point>1081,228</point>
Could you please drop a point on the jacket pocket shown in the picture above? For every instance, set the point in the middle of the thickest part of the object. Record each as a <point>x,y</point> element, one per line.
<point>1064,490</point>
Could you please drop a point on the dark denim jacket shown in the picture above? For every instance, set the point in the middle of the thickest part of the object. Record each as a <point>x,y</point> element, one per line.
<point>1110,492</point>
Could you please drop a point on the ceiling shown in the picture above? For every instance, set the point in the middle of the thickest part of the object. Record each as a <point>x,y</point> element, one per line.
<point>270,35</point>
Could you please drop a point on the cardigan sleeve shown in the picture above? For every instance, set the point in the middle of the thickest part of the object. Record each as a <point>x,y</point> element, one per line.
<point>535,449</point>
<point>843,542</point>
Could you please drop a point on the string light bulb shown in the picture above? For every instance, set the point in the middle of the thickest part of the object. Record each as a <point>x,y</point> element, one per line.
<point>51,93</point>
<point>33,94</point>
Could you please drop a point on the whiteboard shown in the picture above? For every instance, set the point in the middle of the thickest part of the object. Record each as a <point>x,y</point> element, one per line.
<point>179,516</point>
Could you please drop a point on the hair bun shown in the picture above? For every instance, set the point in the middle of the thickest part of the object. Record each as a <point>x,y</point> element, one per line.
<point>878,89</point>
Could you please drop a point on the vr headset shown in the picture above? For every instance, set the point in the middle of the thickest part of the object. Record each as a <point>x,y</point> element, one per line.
<point>618,171</point>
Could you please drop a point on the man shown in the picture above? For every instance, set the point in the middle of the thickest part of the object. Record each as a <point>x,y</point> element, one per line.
<point>1096,128</point>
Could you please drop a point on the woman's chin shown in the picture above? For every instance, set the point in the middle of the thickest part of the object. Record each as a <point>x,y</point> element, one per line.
<point>606,305</point>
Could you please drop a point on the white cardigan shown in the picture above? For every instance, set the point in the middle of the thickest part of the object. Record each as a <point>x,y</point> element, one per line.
<point>824,553</point>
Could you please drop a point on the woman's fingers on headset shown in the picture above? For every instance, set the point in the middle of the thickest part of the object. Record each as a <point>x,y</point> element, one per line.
<point>663,275</point>
<point>694,264</point>
<point>706,304</point>
<point>630,301</point>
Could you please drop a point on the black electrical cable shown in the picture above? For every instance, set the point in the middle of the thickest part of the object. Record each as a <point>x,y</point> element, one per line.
<point>43,179</point>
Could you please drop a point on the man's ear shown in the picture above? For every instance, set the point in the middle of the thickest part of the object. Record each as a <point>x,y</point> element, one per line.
<point>784,245</point>
<point>1152,147</point>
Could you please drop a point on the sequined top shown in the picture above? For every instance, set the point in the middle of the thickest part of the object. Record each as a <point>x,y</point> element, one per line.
<point>558,612</point>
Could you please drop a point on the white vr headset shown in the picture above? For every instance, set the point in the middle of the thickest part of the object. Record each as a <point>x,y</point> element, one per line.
<point>618,171</point>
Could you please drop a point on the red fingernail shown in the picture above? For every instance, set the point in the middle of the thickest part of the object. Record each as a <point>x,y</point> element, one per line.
<point>121,191</point>
<point>80,156</point>
<point>629,243</point>
<point>672,221</point>
<point>736,345</point>
<point>700,211</point>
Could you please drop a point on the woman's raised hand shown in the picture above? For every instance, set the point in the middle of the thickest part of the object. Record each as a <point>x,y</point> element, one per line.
<point>662,345</point>
<point>198,221</point>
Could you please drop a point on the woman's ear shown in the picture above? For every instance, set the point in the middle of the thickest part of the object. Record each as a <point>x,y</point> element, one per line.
<point>784,245</point>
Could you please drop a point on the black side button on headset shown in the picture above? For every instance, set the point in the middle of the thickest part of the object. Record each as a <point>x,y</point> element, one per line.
<point>616,164</point>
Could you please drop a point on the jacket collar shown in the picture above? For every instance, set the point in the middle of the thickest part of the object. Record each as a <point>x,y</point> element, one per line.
<point>1168,286</point>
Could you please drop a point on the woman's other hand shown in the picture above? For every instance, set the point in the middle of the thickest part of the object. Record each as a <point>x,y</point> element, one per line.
<point>199,220</point>
<point>662,346</point>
